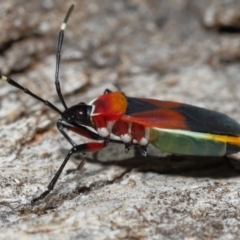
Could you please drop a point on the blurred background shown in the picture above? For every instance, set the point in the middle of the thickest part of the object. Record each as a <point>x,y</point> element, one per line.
<point>179,50</point>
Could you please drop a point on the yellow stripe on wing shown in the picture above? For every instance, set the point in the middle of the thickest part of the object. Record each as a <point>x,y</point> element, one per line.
<point>235,140</point>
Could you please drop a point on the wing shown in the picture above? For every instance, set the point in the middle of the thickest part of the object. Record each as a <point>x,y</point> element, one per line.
<point>172,115</point>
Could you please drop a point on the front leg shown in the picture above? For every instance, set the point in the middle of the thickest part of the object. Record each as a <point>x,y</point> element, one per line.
<point>86,147</point>
<point>81,130</point>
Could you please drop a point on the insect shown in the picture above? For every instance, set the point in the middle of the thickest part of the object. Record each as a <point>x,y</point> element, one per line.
<point>113,117</point>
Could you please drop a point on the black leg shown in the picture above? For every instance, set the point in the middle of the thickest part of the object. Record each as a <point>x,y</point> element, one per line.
<point>60,127</point>
<point>61,124</point>
<point>86,147</point>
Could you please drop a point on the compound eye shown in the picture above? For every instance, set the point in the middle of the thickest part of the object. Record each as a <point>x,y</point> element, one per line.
<point>81,114</point>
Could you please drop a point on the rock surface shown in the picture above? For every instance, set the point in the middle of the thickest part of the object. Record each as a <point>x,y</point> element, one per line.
<point>180,50</point>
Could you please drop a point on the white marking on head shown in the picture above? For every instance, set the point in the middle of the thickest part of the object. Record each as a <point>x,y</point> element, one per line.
<point>91,103</point>
<point>92,114</point>
<point>103,132</point>
<point>93,108</point>
<point>126,138</point>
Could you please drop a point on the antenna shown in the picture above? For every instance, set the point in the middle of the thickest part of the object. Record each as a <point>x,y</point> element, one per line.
<point>58,58</point>
<point>15,84</point>
<point>58,55</point>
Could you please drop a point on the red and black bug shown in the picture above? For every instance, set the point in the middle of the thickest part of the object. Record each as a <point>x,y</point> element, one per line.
<point>113,117</point>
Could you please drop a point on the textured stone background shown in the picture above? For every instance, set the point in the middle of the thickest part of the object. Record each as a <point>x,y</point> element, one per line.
<point>181,50</point>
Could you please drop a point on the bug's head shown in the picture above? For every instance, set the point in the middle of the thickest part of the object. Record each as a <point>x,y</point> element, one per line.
<point>80,113</point>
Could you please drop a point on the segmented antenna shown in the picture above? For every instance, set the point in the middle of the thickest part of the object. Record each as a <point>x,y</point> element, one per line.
<point>15,84</point>
<point>58,55</point>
